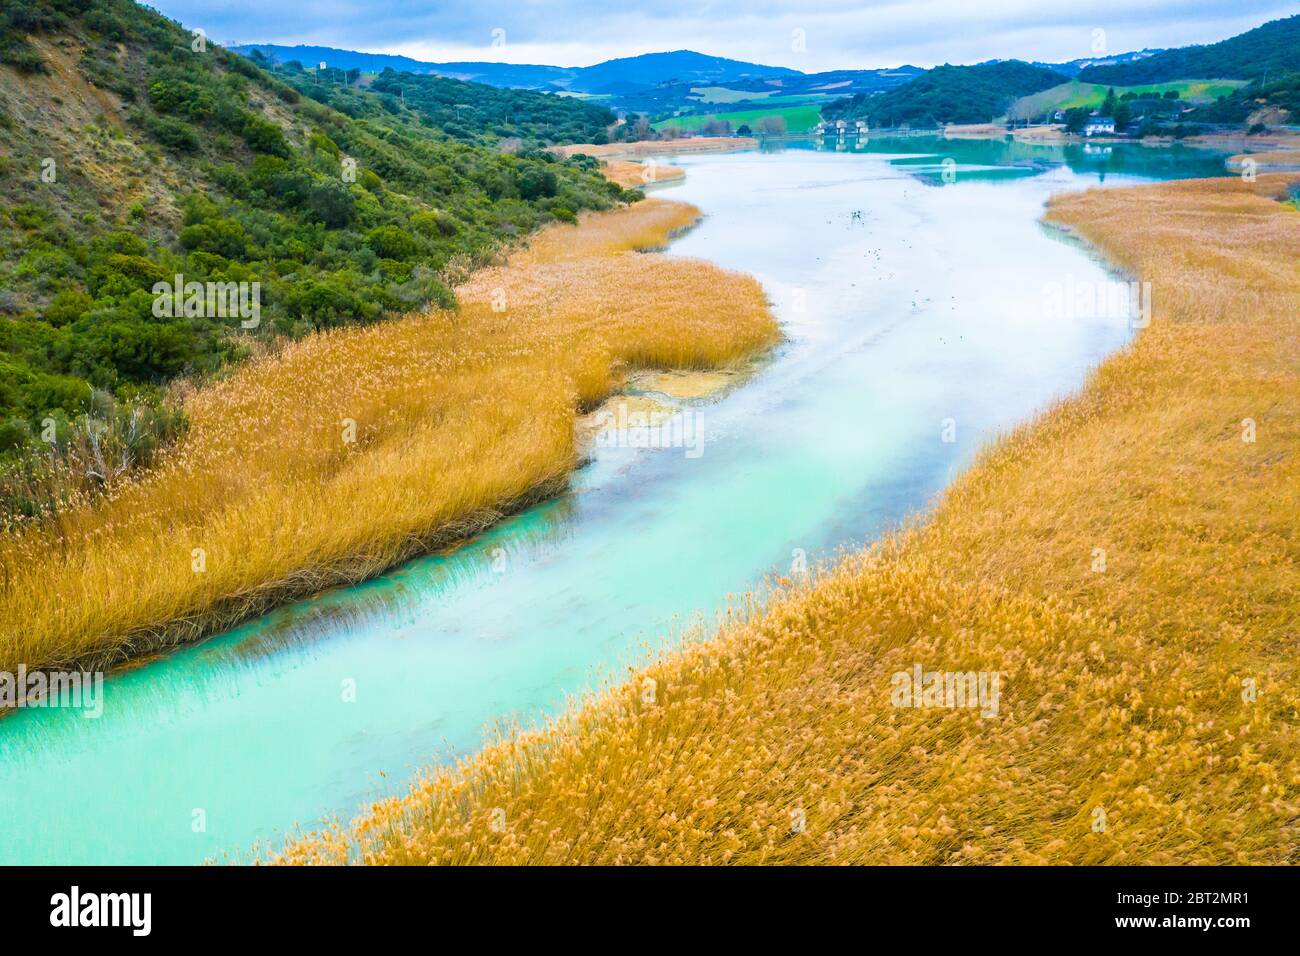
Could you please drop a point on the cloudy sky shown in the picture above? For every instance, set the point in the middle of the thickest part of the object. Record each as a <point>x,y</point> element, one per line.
<point>835,34</point>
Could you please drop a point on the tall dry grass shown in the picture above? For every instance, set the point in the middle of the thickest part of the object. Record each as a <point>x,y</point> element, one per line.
<point>632,175</point>
<point>350,451</point>
<point>1150,712</point>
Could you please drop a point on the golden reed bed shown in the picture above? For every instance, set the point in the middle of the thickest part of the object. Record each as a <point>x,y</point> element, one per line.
<point>632,175</point>
<point>1149,712</point>
<point>355,449</point>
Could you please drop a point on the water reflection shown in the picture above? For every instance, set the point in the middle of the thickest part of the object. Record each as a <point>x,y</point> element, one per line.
<point>993,159</point>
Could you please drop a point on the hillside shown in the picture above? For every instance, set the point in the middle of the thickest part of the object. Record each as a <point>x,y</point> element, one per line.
<point>133,153</point>
<point>1277,100</point>
<point>681,65</point>
<point>473,112</point>
<point>521,76</point>
<point>1271,48</point>
<point>1077,95</point>
<point>619,75</point>
<point>695,99</point>
<point>948,94</point>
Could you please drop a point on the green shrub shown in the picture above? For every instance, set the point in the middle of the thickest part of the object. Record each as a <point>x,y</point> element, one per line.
<point>263,136</point>
<point>390,242</point>
<point>321,142</point>
<point>173,133</point>
<point>222,237</point>
<point>331,202</point>
<point>67,306</point>
<point>182,99</point>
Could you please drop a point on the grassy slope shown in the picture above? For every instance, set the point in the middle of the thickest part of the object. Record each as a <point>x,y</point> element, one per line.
<point>1075,94</point>
<point>722,94</point>
<point>797,118</point>
<point>456,417</point>
<point>1123,690</point>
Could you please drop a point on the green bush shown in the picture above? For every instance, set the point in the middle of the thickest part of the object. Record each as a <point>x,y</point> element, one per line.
<point>264,136</point>
<point>173,133</point>
<point>390,242</point>
<point>182,98</point>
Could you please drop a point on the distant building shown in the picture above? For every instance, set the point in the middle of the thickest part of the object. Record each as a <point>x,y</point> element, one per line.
<point>1098,125</point>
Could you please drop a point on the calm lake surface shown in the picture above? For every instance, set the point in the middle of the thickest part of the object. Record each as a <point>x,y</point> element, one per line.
<point>914,297</point>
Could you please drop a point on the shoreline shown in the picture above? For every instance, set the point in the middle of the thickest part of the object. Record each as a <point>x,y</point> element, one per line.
<point>1112,675</point>
<point>655,147</point>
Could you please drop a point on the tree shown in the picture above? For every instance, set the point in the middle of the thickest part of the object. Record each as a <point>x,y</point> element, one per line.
<point>1022,111</point>
<point>1108,104</point>
<point>1123,115</point>
<point>772,124</point>
<point>1076,118</point>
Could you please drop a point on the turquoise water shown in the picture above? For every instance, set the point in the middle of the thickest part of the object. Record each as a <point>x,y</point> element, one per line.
<point>911,306</point>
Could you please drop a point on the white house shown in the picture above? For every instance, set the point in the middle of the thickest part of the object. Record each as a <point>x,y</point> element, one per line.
<point>1098,124</point>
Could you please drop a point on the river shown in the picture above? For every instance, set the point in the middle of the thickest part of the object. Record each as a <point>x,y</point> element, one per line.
<point>915,299</point>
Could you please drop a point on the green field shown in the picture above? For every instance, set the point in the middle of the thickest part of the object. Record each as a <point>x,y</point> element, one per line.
<point>1075,94</point>
<point>798,119</point>
<point>723,94</point>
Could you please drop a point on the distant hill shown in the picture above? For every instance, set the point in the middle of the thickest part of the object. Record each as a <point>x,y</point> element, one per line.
<point>848,82</point>
<point>1271,48</point>
<point>473,112</point>
<point>698,98</point>
<point>1075,67</point>
<point>948,94</point>
<point>523,76</point>
<point>612,76</point>
<point>651,69</point>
